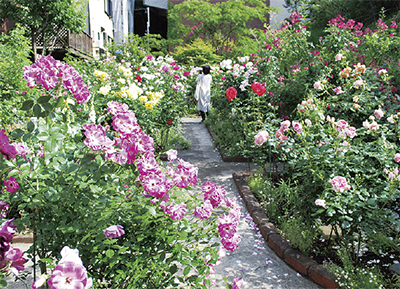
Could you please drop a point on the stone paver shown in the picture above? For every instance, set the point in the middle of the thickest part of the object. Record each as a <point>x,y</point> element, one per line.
<point>253,260</point>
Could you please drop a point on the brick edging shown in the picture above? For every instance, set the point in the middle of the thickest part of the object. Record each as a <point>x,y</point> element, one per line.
<point>22,238</point>
<point>224,157</point>
<point>297,260</point>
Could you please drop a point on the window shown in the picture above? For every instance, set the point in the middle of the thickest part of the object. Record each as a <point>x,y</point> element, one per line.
<point>104,39</point>
<point>107,7</point>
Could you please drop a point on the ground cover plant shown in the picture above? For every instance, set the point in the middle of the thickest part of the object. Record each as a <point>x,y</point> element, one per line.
<point>82,172</point>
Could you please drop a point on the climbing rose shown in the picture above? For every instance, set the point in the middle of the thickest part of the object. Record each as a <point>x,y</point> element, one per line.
<point>261,137</point>
<point>318,85</point>
<point>258,88</point>
<point>7,150</point>
<point>397,158</point>
<point>340,184</point>
<point>204,211</point>
<point>3,209</point>
<point>114,231</point>
<point>231,93</point>
<point>11,185</point>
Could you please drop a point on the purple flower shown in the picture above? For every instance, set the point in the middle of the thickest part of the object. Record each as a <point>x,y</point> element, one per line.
<point>96,138</point>
<point>14,257</point>
<point>177,212</point>
<point>3,209</point>
<point>7,231</point>
<point>11,185</point>
<point>148,164</point>
<point>237,283</point>
<point>69,275</point>
<point>232,243</point>
<point>114,231</point>
<point>172,154</point>
<point>7,150</point>
<point>227,226</point>
<point>204,211</point>
<point>115,107</point>
<point>22,149</point>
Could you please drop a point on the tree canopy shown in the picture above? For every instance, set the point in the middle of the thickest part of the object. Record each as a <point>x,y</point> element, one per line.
<point>221,24</point>
<point>41,17</point>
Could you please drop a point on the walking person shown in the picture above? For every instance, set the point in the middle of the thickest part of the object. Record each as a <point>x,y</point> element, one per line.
<point>203,93</point>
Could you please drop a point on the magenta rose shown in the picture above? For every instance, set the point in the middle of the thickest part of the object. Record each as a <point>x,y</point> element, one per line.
<point>11,185</point>
<point>114,231</point>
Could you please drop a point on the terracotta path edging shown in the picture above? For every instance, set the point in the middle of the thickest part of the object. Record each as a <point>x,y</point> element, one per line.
<point>297,260</point>
<point>224,157</point>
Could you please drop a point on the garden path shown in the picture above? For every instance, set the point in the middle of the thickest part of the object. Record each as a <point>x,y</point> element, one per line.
<point>253,260</point>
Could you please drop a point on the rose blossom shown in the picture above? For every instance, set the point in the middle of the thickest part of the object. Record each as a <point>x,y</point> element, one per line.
<point>11,185</point>
<point>285,125</point>
<point>308,122</point>
<point>378,113</point>
<point>172,154</point>
<point>237,283</point>
<point>397,158</point>
<point>374,126</point>
<point>340,184</point>
<point>339,56</point>
<point>318,85</point>
<point>297,127</point>
<point>320,202</point>
<point>261,137</point>
<point>258,88</point>
<point>114,231</point>
<point>231,93</point>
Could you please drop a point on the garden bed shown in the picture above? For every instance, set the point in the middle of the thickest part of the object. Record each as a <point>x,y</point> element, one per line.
<point>224,157</point>
<point>316,265</point>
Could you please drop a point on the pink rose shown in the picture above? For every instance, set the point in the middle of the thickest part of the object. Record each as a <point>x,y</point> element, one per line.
<point>297,127</point>
<point>261,137</point>
<point>340,184</point>
<point>374,126</point>
<point>308,122</point>
<point>341,124</point>
<point>320,202</point>
<point>172,154</point>
<point>115,231</point>
<point>397,157</point>
<point>378,113</point>
<point>285,125</point>
<point>318,85</point>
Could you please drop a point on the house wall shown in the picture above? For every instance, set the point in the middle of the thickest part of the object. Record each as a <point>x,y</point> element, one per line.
<point>276,18</point>
<point>123,19</point>
<point>101,25</point>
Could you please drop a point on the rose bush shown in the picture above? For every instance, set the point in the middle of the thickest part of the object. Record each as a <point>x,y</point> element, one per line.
<point>95,184</point>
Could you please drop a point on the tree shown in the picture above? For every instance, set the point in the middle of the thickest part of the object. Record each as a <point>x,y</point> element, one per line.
<point>41,17</point>
<point>220,24</point>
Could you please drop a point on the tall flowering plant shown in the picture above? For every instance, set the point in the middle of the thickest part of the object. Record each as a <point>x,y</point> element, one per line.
<point>101,189</point>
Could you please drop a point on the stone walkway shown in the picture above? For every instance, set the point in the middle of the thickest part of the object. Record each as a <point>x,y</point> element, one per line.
<point>253,260</point>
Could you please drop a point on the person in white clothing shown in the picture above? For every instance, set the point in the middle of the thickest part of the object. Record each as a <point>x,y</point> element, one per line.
<point>203,92</point>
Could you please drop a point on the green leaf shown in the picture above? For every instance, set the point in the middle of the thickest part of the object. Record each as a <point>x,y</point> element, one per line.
<point>30,126</point>
<point>109,253</point>
<point>186,270</point>
<point>37,110</point>
<point>173,269</point>
<point>17,133</point>
<point>44,99</point>
<point>43,136</point>
<point>27,105</point>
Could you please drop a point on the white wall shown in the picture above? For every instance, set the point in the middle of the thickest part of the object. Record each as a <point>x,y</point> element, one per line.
<point>123,19</point>
<point>101,25</point>
<point>275,19</point>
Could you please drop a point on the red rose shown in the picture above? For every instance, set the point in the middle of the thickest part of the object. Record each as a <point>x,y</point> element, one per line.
<point>170,122</point>
<point>258,88</point>
<point>231,93</point>
<point>138,78</point>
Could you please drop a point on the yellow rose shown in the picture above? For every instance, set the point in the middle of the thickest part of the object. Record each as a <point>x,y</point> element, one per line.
<point>355,99</point>
<point>356,106</point>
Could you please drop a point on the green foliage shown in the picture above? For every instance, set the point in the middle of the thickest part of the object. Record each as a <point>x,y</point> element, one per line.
<point>196,53</point>
<point>42,17</point>
<point>221,24</point>
<point>135,47</point>
<point>14,53</point>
